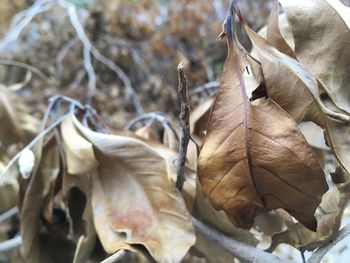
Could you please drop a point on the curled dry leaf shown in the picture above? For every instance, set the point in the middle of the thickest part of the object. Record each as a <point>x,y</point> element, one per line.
<point>328,214</point>
<point>287,82</point>
<point>131,187</point>
<point>17,125</point>
<point>80,161</point>
<point>297,91</point>
<point>321,34</point>
<point>33,249</point>
<point>274,34</point>
<point>254,158</point>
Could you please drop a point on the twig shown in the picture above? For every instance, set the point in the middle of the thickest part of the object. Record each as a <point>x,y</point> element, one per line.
<point>25,66</point>
<point>32,143</point>
<point>317,256</point>
<point>8,214</point>
<point>237,248</point>
<point>73,17</point>
<point>130,92</point>
<point>115,257</point>
<point>77,79</point>
<point>185,126</point>
<point>10,244</point>
<point>161,117</point>
<point>62,53</point>
<point>22,19</point>
<point>213,85</point>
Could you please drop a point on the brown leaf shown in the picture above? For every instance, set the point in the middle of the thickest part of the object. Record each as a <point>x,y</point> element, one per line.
<point>17,124</point>
<point>321,34</point>
<point>137,197</point>
<point>297,91</point>
<point>328,214</point>
<point>254,157</point>
<point>287,82</point>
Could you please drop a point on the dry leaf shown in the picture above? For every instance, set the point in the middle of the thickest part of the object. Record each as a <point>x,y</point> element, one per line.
<point>254,158</point>
<point>199,118</point>
<point>297,91</point>
<point>138,198</point>
<point>81,162</point>
<point>321,34</point>
<point>328,214</point>
<point>32,248</point>
<point>274,35</point>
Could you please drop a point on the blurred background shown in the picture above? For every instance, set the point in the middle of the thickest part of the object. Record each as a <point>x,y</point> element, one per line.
<point>134,47</point>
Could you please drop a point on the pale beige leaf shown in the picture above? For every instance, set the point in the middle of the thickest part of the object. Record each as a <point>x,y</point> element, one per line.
<point>274,34</point>
<point>140,200</point>
<point>321,34</point>
<point>79,152</point>
<point>81,163</point>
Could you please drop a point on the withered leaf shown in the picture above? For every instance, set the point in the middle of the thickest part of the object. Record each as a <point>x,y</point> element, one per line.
<point>80,161</point>
<point>32,248</point>
<point>254,158</point>
<point>328,214</point>
<point>321,34</point>
<point>138,198</point>
<point>274,35</point>
<point>287,82</point>
<point>297,91</point>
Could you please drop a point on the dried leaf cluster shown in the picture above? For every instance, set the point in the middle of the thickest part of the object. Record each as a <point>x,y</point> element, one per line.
<point>85,192</point>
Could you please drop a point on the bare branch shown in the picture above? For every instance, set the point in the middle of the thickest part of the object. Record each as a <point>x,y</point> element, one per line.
<point>237,248</point>
<point>207,87</point>
<point>10,244</point>
<point>130,92</point>
<point>73,17</point>
<point>115,257</point>
<point>32,143</point>
<point>185,126</point>
<point>322,251</point>
<point>8,214</point>
<point>25,66</point>
<point>22,19</point>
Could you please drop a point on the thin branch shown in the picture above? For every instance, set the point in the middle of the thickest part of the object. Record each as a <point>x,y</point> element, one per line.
<point>210,86</point>
<point>32,143</point>
<point>22,19</point>
<point>87,46</point>
<point>322,251</point>
<point>62,53</point>
<point>115,257</point>
<point>237,248</point>
<point>161,117</point>
<point>130,92</point>
<point>10,244</point>
<point>185,126</point>
<point>25,66</point>
<point>8,214</point>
